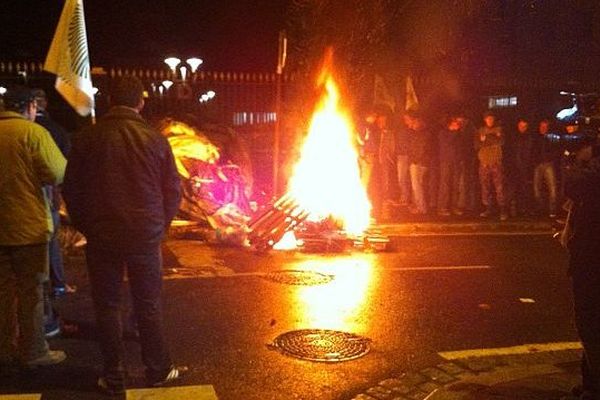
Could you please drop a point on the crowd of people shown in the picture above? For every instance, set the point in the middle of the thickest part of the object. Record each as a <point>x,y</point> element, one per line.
<point>461,166</point>
<point>121,189</point>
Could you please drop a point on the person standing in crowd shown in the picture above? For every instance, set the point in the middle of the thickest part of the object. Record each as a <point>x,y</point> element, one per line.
<point>451,194</point>
<point>29,159</point>
<point>488,143</point>
<point>581,237</point>
<point>386,154</point>
<point>58,287</point>
<point>467,132</point>
<point>419,147</point>
<point>546,153</point>
<point>368,141</point>
<point>122,191</point>
<point>522,167</point>
<point>402,162</point>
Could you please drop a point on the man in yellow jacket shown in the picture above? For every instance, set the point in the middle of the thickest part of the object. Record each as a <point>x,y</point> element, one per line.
<point>29,159</point>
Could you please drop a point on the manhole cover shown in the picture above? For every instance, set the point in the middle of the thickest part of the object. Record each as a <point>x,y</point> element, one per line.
<point>322,345</point>
<point>291,277</point>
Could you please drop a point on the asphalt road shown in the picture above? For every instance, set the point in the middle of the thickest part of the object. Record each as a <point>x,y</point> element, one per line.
<point>223,306</point>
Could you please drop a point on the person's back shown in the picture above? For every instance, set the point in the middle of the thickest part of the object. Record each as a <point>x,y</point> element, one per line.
<point>120,180</point>
<point>122,191</point>
<point>29,159</point>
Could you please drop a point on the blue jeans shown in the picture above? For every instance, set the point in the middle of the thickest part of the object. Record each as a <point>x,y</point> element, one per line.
<point>544,174</point>
<point>144,272</point>
<point>403,178</point>
<point>57,271</point>
<point>417,178</point>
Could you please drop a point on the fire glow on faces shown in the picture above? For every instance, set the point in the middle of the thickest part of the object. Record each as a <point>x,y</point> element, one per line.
<point>326,180</point>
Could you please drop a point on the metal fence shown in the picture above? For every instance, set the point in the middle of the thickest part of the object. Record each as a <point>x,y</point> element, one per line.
<point>243,101</point>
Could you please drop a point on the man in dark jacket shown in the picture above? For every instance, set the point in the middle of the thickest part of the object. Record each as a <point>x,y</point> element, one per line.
<point>122,191</point>
<point>451,192</point>
<point>419,150</point>
<point>522,167</point>
<point>582,187</point>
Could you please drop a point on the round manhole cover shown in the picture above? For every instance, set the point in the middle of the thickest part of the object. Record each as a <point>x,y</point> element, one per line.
<point>291,277</point>
<point>322,345</point>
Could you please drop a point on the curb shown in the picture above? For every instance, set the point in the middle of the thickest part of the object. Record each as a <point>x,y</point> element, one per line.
<point>466,228</point>
<point>454,380</point>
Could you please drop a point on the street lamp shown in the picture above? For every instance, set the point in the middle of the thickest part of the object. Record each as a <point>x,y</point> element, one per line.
<point>192,62</point>
<point>172,62</point>
<point>209,95</point>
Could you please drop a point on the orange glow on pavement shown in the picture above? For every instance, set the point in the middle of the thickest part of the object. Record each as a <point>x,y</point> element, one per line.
<point>339,304</point>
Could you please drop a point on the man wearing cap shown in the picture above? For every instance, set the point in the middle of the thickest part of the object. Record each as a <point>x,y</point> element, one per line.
<point>122,191</point>
<point>29,159</point>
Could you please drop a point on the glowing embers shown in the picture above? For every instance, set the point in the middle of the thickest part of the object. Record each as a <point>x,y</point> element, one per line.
<point>321,345</point>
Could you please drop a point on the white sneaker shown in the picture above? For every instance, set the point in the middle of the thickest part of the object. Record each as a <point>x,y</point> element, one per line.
<point>50,358</point>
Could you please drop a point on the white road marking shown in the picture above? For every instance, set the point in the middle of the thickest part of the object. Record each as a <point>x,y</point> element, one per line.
<point>526,300</point>
<point>204,392</point>
<point>443,268</point>
<point>203,273</point>
<point>432,234</point>
<point>503,351</point>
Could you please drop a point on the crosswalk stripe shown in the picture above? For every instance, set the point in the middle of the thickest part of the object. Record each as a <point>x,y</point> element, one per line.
<point>199,392</point>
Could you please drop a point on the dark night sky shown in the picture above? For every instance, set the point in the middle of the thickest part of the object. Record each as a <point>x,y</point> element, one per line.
<point>226,34</point>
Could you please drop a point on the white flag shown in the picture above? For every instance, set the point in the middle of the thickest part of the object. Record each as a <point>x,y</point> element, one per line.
<point>68,58</point>
<point>412,102</point>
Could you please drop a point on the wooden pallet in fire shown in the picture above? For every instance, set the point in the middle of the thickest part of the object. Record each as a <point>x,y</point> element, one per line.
<point>284,215</point>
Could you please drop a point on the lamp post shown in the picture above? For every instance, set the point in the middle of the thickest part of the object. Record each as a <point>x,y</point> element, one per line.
<point>193,63</point>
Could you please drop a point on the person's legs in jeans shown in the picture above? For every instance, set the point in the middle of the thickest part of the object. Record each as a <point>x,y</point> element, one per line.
<point>30,266</point>
<point>57,274</point>
<point>459,188</point>
<point>498,180</point>
<point>538,181</point>
<point>417,178</point>
<point>484,180</point>
<point>145,280</point>
<point>106,272</point>
<point>403,179</point>
<point>445,187</point>
<point>8,307</point>
<point>551,185</point>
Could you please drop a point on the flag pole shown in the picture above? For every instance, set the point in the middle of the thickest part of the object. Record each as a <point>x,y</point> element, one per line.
<point>282,54</point>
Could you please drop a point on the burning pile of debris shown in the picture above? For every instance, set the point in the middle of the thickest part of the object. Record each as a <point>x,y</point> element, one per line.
<point>286,226</point>
<point>216,188</point>
<point>326,207</point>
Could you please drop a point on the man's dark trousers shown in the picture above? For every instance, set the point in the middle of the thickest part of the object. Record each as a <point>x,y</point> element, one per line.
<point>586,297</point>
<point>144,272</point>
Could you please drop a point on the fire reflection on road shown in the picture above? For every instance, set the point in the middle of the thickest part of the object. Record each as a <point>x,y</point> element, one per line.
<point>340,304</point>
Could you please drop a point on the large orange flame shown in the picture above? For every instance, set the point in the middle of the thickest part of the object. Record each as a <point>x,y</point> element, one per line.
<point>326,180</point>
